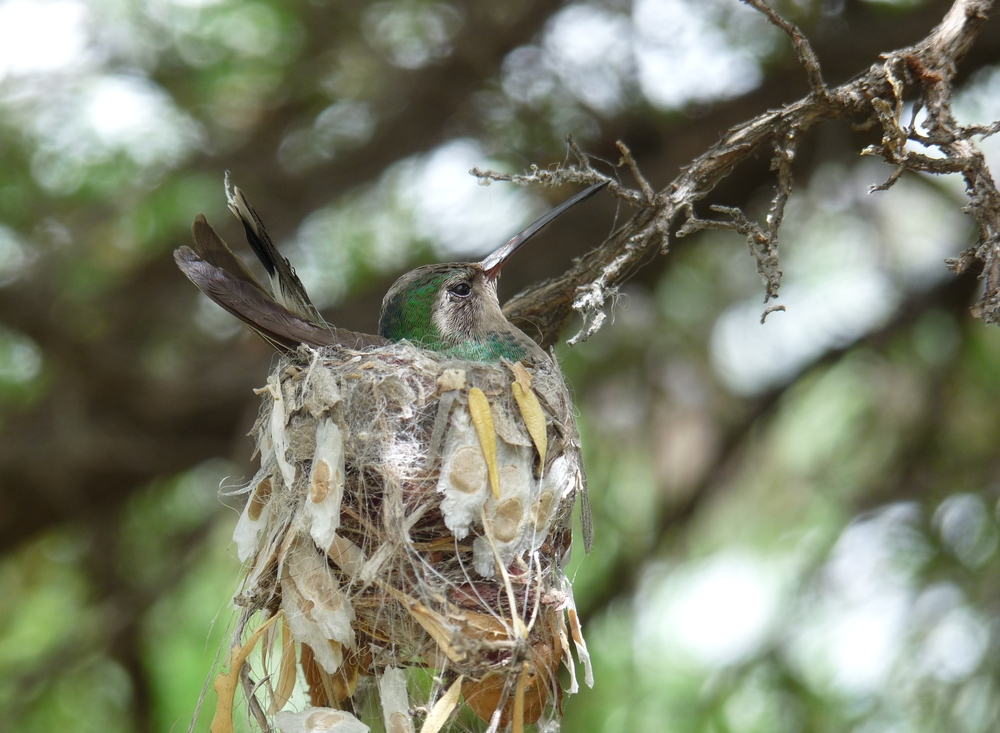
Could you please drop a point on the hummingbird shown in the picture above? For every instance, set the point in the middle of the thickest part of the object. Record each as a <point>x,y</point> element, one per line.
<point>447,308</point>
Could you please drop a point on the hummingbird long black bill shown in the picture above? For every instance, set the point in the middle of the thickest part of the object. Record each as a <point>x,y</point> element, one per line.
<point>492,264</point>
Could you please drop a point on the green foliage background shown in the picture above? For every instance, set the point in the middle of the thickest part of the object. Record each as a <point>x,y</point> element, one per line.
<point>796,523</point>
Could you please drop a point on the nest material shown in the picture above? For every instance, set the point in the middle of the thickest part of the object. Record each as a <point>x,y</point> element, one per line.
<point>413,511</point>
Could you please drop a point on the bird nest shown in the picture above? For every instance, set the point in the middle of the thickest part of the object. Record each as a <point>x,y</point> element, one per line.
<point>406,533</point>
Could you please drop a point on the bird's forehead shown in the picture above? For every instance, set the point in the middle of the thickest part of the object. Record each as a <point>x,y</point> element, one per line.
<point>458,269</point>
<point>426,280</point>
<point>437,275</point>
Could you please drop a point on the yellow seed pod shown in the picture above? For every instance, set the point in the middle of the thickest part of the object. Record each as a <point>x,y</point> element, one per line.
<point>531,410</point>
<point>482,418</point>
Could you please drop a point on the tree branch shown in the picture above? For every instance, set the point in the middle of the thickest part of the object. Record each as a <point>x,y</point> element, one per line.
<point>874,97</point>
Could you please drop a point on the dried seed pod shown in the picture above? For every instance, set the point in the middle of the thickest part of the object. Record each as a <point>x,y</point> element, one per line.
<point>482,418</point>
<point>395,701</point>
<point>531,410</point>
<point>326,483</point>
<point>320,720</point>
<point>255,516</point>
<point>462,479</point>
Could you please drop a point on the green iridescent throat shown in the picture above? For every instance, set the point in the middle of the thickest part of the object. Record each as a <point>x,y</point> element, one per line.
<point>490,347</point>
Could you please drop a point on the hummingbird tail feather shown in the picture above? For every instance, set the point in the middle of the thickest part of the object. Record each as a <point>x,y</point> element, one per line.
<point>273,322</point>
<point>210,247</point>
<point>285,284</point>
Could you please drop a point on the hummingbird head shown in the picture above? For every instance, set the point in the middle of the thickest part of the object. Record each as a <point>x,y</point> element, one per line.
<point>441,306</point>
<point>454,307</point>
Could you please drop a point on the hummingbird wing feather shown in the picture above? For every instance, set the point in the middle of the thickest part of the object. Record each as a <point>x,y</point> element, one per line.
<point>273,322</point>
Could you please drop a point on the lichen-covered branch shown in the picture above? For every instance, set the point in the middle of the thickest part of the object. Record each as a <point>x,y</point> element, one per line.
<point>923,72</point>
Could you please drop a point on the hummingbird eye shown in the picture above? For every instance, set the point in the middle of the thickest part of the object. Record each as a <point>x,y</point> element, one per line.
<point>462,290</point>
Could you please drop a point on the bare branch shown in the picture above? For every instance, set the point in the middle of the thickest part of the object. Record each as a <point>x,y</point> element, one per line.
<point>763,246</point>
<point>554,177</point>
<point>985,130</point>
<point>627,159</point>
<point>769,310</point>
<point>782,163</point>
<point>802,46</point>
<point>873,98</point>
<point>581,156</point>
<point>889,182</point>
